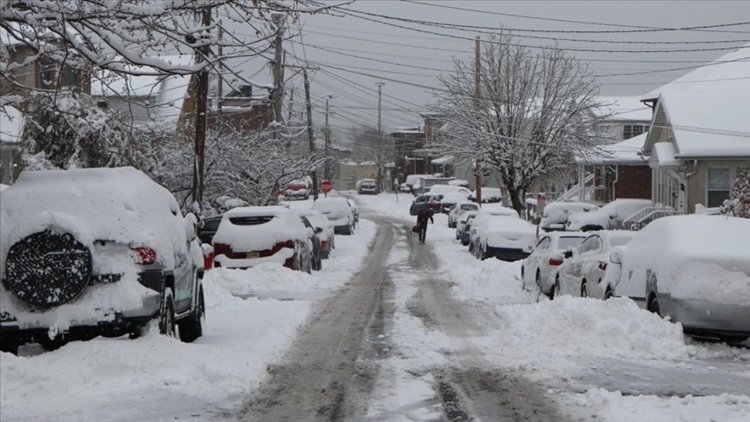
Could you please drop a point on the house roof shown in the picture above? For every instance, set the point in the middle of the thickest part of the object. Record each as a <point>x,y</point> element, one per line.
<point>626,108</point>
<point>664,153</point>
<point>707,109</point>
<point>625,152</point>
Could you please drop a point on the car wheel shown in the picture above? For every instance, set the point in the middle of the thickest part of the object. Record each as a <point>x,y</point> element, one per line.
<point>51,344</point>
<point>608,294</point>
<point>584,289</point>
<point>556,290</point>
<point>653,304</point>
<point>9,344</point>
<point>166,314</point>
<point>192,327</point>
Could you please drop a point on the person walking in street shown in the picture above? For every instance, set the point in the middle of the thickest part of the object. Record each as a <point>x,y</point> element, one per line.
<point>422,218</point>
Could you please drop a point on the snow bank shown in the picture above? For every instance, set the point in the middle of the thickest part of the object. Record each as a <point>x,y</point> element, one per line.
<point>612,406</point>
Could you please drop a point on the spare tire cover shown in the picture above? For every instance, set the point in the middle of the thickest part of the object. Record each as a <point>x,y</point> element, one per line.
<point>48,269</point>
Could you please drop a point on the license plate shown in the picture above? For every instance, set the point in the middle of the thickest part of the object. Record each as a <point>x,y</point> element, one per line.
<point>252,255</point>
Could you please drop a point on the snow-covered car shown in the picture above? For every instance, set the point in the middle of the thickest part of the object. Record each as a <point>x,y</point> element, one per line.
<point>446,189</point>
<point>539,268</point>
<point>367,186</point>
<point>339,212</point>
<point>355,210</point>
<point>502,236</point>
<point>489,195</point>
<point>297,189</point>
<point>249,236</point>
<point>449,201</point>
<point>485,213</point>
<point>317,252</point>
<point>326,234</point>
<point>555,214</point>
<point>588,266</point>
<point>695,269</point>
<point>98,251</point>
<point>426,201</point>
<point>458,210</point>
<point>607,217</point>
<point>464,225</point>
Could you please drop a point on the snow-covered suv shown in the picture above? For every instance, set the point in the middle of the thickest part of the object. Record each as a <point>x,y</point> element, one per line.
<point>92,252</point>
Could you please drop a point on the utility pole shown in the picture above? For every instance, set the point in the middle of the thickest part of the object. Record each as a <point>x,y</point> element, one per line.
<point>220,90</point>
<point>326,171</point>
<point>477,96</point>
<point>291,103</point>
<point>278,70</point>
<point>201,98</point>
<point>380,92</point>
<point>310,133</point>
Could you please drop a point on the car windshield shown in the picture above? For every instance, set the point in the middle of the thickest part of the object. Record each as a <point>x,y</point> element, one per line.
<point>211,224</point>
<point>569,242</point>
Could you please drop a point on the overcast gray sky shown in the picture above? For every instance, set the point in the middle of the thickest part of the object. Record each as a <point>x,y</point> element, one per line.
<point>353,53</point>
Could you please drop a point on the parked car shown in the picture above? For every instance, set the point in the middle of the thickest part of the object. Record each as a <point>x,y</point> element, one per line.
<point>249,236</point>
<point>317,253</point>
<point>207,228</point>
<point>489,195</point>
<point>355,210</point>
<point>319,221</point>
<point>540,267</point>
<point>450,200</point>
<point>445,189</point>
<point>427,201</point>
<point>413,179</point>
<point>608,217</point>
<point>694,269</point>
<point>503,237</point>
<point>297,189</point>
<point>463,226</point>
<point>485,213</point>
<point>339,213</point>
<point>99,251</point>
<point>555,214</point>
<point>367,186</point>
<point>459,209</point>
<point>587,267</point>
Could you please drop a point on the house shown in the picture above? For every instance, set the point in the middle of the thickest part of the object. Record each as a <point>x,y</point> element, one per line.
<point>406,140</point>
<point>614,169</point>
<point>26,72</point>
<point>699,140</point>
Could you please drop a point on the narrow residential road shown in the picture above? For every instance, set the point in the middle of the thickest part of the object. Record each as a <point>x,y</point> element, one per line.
<point>330,370</point>
<point>333,366</point>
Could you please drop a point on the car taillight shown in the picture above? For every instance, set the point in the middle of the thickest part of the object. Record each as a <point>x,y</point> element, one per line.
<point>144,255</point>
<point>602,265</point>
<point>222,249</point>
<point>277,247</point>
<point>553,262</point>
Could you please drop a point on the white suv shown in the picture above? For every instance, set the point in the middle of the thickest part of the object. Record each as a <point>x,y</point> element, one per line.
<point>92,252</point>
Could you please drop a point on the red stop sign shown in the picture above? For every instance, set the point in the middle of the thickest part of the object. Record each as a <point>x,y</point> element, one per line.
<point>326,186</point>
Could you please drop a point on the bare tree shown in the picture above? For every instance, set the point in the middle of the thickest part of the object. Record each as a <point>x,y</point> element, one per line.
<point>533,112</point>
<point>370,145</point>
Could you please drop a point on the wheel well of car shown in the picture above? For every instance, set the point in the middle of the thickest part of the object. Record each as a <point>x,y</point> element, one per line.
<point>169,281</point>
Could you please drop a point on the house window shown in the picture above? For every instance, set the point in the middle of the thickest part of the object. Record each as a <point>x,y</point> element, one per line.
<point>718,186</point>
<point>47,75</point>
<point>630,131</point>
<point>72,77</point>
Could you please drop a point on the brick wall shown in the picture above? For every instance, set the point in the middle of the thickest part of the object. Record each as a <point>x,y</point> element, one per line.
<point>633,182</point>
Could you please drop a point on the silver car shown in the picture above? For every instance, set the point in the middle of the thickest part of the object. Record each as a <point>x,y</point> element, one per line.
<point>695,269</point>
<point>540,267</point>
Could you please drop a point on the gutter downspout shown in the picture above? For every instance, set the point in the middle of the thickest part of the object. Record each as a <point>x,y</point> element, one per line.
<point>683,179</point>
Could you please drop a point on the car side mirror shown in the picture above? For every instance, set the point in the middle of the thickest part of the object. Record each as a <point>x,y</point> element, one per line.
<point>191,226</point>
<point>319,230</point>
<point>616,256</point>
<point>568,254</point>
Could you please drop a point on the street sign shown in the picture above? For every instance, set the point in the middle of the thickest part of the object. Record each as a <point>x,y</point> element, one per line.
<point>326,186</point>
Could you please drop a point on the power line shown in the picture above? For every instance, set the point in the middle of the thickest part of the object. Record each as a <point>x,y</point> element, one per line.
<point>637,28</point>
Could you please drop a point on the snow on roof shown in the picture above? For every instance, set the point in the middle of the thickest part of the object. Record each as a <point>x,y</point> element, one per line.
<point>162,93</point>
<point>665,153</point>
<point>446,159</point>
<point>708,107</point>
<point>625,152</point>
<point>11,124</point>
<point>626,108</point>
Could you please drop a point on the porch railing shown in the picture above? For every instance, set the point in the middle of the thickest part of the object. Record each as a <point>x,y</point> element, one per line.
<point>638,220</point>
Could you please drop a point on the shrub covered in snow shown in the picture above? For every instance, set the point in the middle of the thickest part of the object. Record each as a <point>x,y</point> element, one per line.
<point>738,204</point>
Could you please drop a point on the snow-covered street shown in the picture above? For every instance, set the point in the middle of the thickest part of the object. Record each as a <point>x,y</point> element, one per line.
<point>389,330</point>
